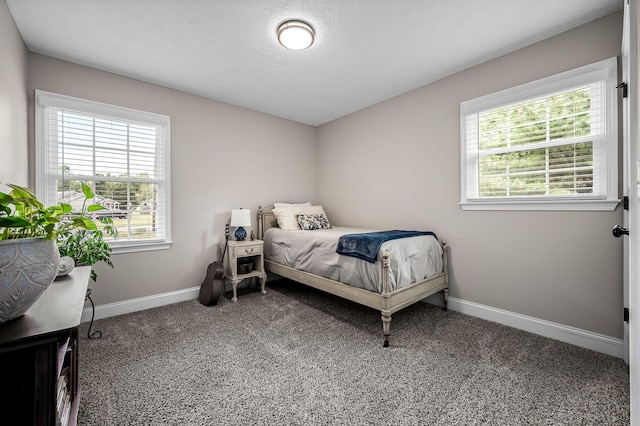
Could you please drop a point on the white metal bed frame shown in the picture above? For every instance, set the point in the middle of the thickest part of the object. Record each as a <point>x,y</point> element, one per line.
<point>387,302</point>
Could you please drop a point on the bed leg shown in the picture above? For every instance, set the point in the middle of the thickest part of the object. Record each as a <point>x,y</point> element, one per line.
<point>263,280</point>
<point>445,298</point>
<point>386,325</point>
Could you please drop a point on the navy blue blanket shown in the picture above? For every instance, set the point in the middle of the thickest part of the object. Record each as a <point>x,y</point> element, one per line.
<point>367,245</point>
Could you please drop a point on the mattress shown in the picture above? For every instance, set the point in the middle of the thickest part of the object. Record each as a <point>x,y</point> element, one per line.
<point>411,259</point>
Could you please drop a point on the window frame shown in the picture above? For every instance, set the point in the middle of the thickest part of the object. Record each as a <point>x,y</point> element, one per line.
<point>45,99</point>
<point>605,71</point>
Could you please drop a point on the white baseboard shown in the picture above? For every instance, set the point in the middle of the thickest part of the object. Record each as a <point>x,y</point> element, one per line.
<point>574,336</point>
<point>140,304</point>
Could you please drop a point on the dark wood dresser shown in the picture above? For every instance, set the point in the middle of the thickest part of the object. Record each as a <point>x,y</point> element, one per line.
<point>39,356</point>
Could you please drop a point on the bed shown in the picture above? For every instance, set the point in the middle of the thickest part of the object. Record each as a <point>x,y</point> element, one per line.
<point>405,271</point>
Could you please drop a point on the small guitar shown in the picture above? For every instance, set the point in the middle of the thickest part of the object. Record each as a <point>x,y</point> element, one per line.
<point>211,288</point>
<point>213,285</point>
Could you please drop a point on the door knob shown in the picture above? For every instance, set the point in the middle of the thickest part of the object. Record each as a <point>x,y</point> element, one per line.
<point>619,231</point>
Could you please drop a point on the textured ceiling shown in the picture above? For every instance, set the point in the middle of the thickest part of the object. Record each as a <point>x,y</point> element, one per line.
<point>365,51</point>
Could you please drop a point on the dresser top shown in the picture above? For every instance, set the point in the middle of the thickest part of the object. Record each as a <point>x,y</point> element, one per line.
<point>58,309</point>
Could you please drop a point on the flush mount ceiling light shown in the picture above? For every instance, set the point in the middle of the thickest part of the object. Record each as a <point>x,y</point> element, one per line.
<point>295,35</point>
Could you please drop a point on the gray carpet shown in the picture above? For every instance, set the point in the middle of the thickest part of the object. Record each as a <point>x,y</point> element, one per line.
<point>297,356</point>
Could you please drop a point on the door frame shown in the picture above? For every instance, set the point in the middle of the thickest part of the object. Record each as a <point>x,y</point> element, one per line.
<point>631,174</point>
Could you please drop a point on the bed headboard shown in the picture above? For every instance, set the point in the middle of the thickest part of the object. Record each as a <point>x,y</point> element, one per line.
<point>266,220</point>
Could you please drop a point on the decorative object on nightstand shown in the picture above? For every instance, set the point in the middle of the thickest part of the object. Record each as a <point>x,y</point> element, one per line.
<point>240,218</point>
<point>245,260</point>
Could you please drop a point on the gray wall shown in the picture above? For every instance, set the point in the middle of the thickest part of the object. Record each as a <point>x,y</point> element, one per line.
<point>13,102</point>
<point>222,157</point>
<point>397,165</point>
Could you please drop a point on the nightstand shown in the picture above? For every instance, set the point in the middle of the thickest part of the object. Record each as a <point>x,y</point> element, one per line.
<point>243,253</point>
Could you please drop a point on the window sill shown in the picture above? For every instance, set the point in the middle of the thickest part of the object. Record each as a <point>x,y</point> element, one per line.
<point>133,248</point>
<point>574,205</point>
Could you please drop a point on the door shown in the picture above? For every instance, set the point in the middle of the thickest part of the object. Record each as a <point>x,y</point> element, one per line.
<point>630,189</point>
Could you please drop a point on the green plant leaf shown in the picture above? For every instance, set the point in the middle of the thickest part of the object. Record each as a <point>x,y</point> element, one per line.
<point>14,222</point>
<point>55,210</point>
<point>84,222</point>
<point>22,191</point>
<point>88,192</point>
<point>5,198</point>
<point>24,195</point>
<point>50,229</point>
<point>22,215</point>
<point>95,207</point>
<point>106,220</point>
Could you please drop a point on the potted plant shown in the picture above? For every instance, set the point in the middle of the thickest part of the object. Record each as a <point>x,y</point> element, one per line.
<point>29,257</point>
<point>87,246</point>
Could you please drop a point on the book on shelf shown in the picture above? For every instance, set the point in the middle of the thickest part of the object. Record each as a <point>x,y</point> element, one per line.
<point>63,398</point>
<point>61,392</point>
<point>63,417</point>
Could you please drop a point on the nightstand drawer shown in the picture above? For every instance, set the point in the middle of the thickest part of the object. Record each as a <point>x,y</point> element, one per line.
<point>249,250</point>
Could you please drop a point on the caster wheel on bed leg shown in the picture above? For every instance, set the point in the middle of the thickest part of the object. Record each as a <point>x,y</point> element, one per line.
<point>386,325</point>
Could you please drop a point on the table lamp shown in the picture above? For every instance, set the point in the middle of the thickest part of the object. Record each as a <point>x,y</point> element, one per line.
<point>240,218</point>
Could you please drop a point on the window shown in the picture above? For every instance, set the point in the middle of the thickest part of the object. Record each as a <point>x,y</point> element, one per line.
<point>548,145</point>
<point>122,154</point>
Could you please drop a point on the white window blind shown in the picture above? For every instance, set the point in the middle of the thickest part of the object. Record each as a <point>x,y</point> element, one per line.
<point>550,144</point>
<point>122,154</point>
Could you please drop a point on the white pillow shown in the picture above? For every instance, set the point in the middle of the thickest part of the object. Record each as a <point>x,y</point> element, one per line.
<point>283,205</point>
<point>286,216</point>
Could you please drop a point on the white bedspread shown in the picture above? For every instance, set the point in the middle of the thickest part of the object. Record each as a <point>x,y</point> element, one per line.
<point>411,259</point>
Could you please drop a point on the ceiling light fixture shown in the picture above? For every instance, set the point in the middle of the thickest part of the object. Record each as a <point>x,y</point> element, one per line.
<point>295,35</point>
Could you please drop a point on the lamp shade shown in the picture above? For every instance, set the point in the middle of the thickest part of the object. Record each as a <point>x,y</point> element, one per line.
<point>240,217</point>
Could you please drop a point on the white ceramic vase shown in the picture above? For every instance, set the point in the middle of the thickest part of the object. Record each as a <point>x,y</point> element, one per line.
<point>27,267</point>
